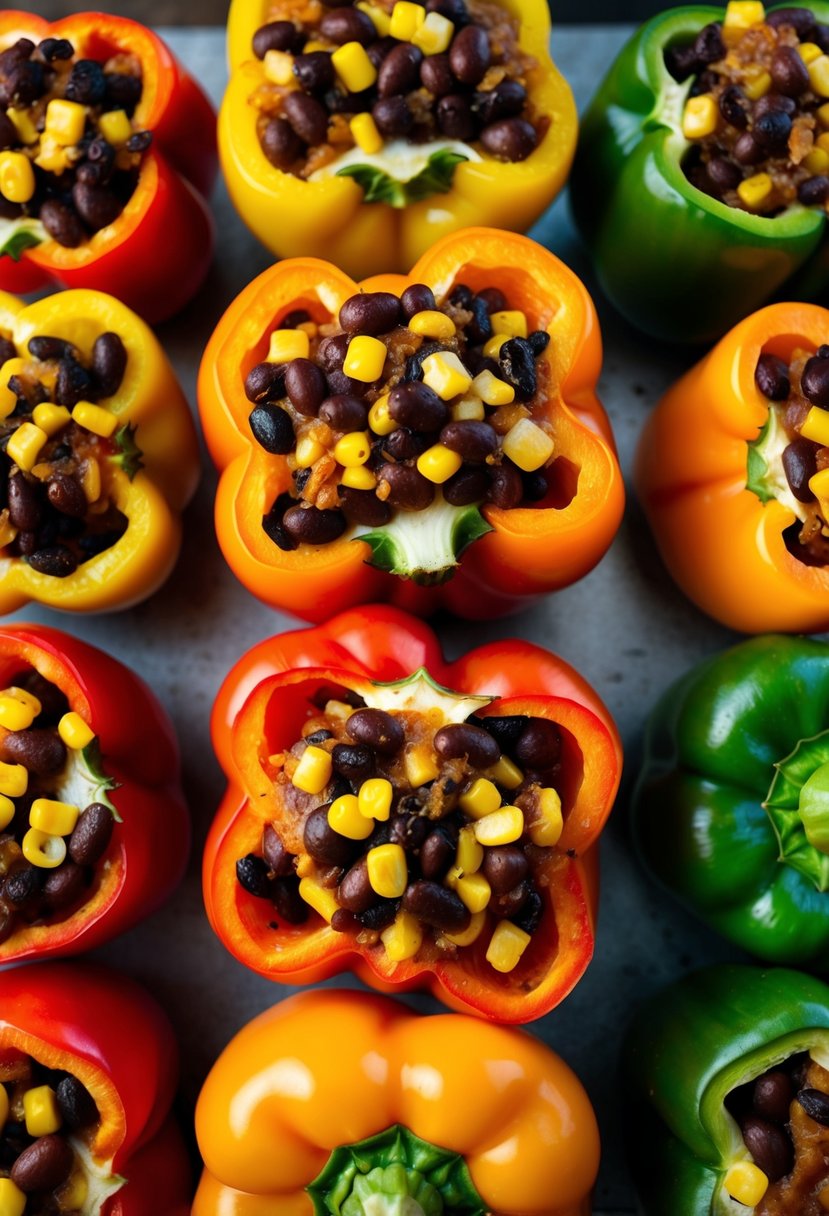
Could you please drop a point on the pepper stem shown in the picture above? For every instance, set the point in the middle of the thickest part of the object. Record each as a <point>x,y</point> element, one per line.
<point>425,546</point>
<point>798,807</point>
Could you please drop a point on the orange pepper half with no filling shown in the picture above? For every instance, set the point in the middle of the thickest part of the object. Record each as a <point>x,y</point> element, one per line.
<point>526,552</point>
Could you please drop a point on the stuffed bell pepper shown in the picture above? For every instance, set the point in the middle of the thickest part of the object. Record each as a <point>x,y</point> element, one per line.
<point>731,812</point>
<point>106,148</point>
<point>426,824</point>
<point>88,1067</point>
<point>726,1075</point>
<point>702,176</point>
<point>99,455</point>
<point>364,133</point>
<point>422,1131</point>
<point>94,831</point>
<point>733,473</point>
<point>378,441</point>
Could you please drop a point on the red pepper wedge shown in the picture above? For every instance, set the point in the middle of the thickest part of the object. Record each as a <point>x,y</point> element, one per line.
<point>155,255</point>
<point>139,752</point>
<point>107,1031</point>
<point>260,708</point>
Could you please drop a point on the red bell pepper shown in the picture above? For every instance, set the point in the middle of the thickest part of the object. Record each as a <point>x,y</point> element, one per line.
<point>134,764</point>
<point>260,709</point>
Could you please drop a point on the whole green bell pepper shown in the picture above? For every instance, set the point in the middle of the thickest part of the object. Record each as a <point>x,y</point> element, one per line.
<point>676,262</point>
<point>688,1048</point>
<point>731,811</point>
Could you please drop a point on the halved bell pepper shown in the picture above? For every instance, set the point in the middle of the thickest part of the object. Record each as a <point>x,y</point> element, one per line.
<point>157,252</point>
<point>260,709</point>
<point>132,765</point>
<point>106,1031</point>
<point>709,493</point>
<point>152,471</point>
<point>330,219</point>
<point>689,1048</point>
<point>422,1131</point>
<point>730,813</point>
<point>676,262</point>
<point>519,554</point>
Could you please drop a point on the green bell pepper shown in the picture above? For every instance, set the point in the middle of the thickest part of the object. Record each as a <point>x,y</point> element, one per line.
<point>731,811</point>
<point>687,1049</point>
<point>676,262</point>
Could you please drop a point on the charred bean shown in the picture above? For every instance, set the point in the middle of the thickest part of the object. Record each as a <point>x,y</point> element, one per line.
<point>54,560</point>
<point>381,915</point>
<point>370,312</point>
<point>272,429</point>
<point>364,507</point>
<point>40,751</point>
<point>529,918</point>
<point>64,886</point>
<point>772,1095</point>
<point>772,131</point>
<point>470,54</point>
<point>86,83</point>
<point>409,490</point>
<point>22,886</point>
<point>799,459</point>
<point>76,1104</point>
<point>437,853</point>
<point>327,847</point>
<point>518,367</point>
<point>539,744</point>
<point>816,1105</point>
<point>376,729</point>
<point>93,832</point>
<point>354,761</point>
<point>417,298</point>
<point>252,875</point>
<point>272,522</point>
<point>306,386</point>
<point>280,143</point>
<point>25,508</point>
<point>44,1165</point>
<point>506,489</point>
<point>505,867</point>
<point>416,406</point>
<point>467,486</point>
<point>400,70</point>
<point>465,740</point>
<point>278,859</point>
<point>474,441</point>
<point>66,495</point>
<point>307,116</point>
<point>436,75</point>
<point>436,905</point>
<point>277,36</point>
<point>814,382</point>
<point>769,1145</point>
<point>510,139</point>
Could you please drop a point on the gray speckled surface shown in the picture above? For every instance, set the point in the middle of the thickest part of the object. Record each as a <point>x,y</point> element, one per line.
<point>625,627</point>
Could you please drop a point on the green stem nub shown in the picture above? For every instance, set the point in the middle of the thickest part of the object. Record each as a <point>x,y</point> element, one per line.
<point>395,1173</point>
<point>425,546</point>
<point>798,807</point>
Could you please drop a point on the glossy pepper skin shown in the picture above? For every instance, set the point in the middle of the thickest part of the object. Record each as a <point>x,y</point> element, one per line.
<point>155,256</point>
<point>107,1031</point>
<point>724,814</point>
<point>722,544</point>
<point>542,1161</point>
<point>138,751</point>
<point>529,552</point>
<point>688,1047</point>
<point>677,263</point>
<point>330,219</point>
<point>259,710</point>
<point>149,400</point>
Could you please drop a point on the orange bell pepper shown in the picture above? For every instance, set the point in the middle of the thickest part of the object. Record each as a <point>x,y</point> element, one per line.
<point>448,1114</point>
<point>529,551</point>
<point>722,543</point>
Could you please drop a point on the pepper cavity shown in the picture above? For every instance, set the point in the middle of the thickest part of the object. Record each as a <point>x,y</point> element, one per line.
<point>69,149</point>
<point>416,836</point>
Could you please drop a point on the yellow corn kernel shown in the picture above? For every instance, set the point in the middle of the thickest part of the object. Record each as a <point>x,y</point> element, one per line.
<point>321,899</point>
<point>43,850</point>
<point>12,1199</point>
<point>365,358</point>
<point>482,798</point>
<point>546,830</point>
<point>25,698</point>
<point>430,323</point>
<point>434,34</point>
<point>25,445</point>
<point>387,870</point>
<point>512,322</point>
<point>304,866</point>
<point>7,529</point>
<point>14,780</point>
<point>4,1105</point>
<point>65,121</point>
<point>755,190</point>
<point>75,733</point>
<point>506,946</point>
<point>17,177</point>
<point>314,44</point>
<point>469,409</point>
<point>822,142</point>
<point>51,155</point>
<point>492,347</point>
<point>313,772</point>
<point>73,1194</point>
<point>406,20</point>
<point>470,934</point>
<point>507,774</point>
<point>95,419</point>
<point>91,480</point>
<point>420,765</point>
<point>53,818</point>
<point>366,135</point>
<point>279,67</point>
<point>527,445</point>
<point>288,344</point>
<point>445,373</point>
<point>822,112</point>
<point>14,715</point>
<point>699,117</point>
<point>345,818</point>
<point>308,451</point>
<point>403,938</point>
<point>742,14</point>
<point>492,390</point>
<point>816,426</point>
<point>8,399</point>
<point>379,418</point>
<point>358,478</point>
<point>816,162</point>
<point>51,418</point>
<point>22,121</point>
<point>116,128</point>
<point>469,856</point>
<point>819,485</point>
<point>809,52</point>
<point>819,75</point>
<point>378,16</point>
<point>309,327</point>
<point>7,811</point>
<point>503,826</point>
<point>374,798</point>
<point>353,449</point>
<point>438,463</point>
<point>473,891</point>
<point>746,1182</point>
<point>354,68</point>
<point>338,709</point>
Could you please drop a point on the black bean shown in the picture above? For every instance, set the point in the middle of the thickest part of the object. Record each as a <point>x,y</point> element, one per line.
<point>277,36</point>
<point>7,350</point>
<point>416,298</point>
<point>41,751</point>
<point>493,298</point>
<point>814,191</point>
<point>44,1165</point>
<point>306,386</point>
<point>771,376</point>
<point>22,886</point>
<point>26,543</point>
<point>98,206</point>
<point>474,441</point>
<point>379,50</point>
<point>453,10</point>
<point>54,560</point>
<point>66,495</point>
<point>747,150</point>
<point>468,485</point>
<point>732,106</point>
<point>376,729</point>
<point>816,1105</point>
<point>23,83</point>
<point>370,312</point>
<point>416,406</point>
<point>62,223</point>
<point>799,460</point>
<point>265,382</point>
<point>64,886</point>
<point>348,24</point>
<point>286,899</point>
<point>772,131</point>
<point>802,20</point>
<point>380,916</point>
<point>437,853</point>
<point>409,490</point>
<point>278,859</point>
<point>364,507</point>
<point>814,382</point>
<point>312,526</point>
<point>506,488</point>
<point>73,383</point>
<point>456,118</point>
<point>536,486</point>
<point>53,49</point>
<point>505,867</point>
<point>435,905</point>
<point>529,918</point>
<point>93,832</point>
<point>772,1095</point>
<point>86,83</point>
<point>280,143</point>
<point>326,846</point>
<point>479,327</point>
<point>400,70</point>
<point>414,363</point>
<point>25,506</point>
<point>788,72</point>
<point>307,116</point>
<point>140,141</point>
<point>511,139</point>
<point>8,132</point>
<point>517,365</point>
<point>354,761</point>
<point>123,91</point>
<point>709,45</point>
<point>75,1103</point>
<point>411,829</point>
<point>332,352</point>
<point>295,318</point>
<point>403,444</point>
<point>723,174</point>
<point>470,54</point>
<point>769,1145</point>
<point>314,71</point>
<point>109,362</point>
<point>252,875</point>
<point>506,100</point>
<point>539,744</point>
<point>465,740</point>
<point>681,61</point>
<point>272,429</point>
<point>508,904</point>
<point>343,412</point>
<point>393,116</point>
<point>436,75</point>
<point>272,522</point>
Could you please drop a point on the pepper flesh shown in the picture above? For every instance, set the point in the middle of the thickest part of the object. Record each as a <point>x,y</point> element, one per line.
<point>543,1160</point>
<point>155,255</point>
<point>529,552</point>
<point>723,545</point>
<point>255,709</point>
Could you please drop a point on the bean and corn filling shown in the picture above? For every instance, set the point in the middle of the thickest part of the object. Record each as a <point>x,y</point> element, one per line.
<point>403,402</point>
<point>417,838</point>
<point>342,76</point>
<point>46,1116</point>
<point>59,446</point>
<point>783,1116</point>
<point>52,840</point>
<point>69,150</point>
<point>757,115</point>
